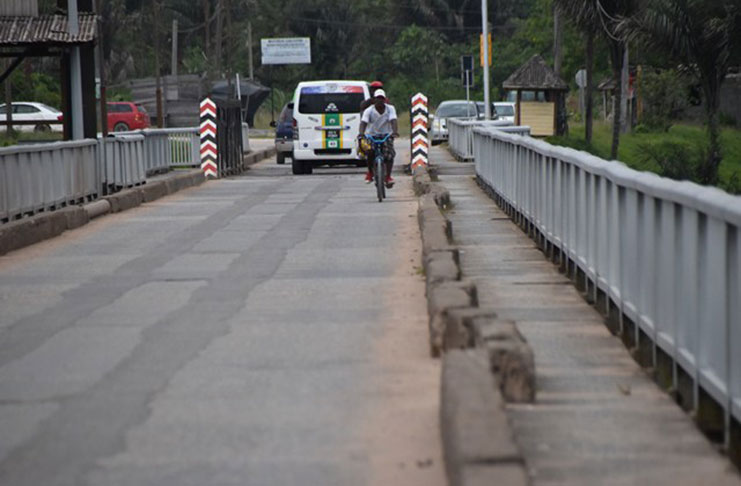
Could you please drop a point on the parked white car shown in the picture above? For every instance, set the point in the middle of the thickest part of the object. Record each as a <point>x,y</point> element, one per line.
<point>505,110</point>
<point>450,109</point>
<point>46,118</point>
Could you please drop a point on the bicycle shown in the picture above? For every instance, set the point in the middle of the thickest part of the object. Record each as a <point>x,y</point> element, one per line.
<point>379,176</point>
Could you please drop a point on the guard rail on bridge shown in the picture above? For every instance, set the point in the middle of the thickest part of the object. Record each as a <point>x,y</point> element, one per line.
<point>662,257</point>
<point>460,133</point>
<point>165,148</point>
<point>43,177</point>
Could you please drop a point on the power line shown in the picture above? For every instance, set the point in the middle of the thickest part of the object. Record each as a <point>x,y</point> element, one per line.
<point>372,26</point>
<point>387,26</point>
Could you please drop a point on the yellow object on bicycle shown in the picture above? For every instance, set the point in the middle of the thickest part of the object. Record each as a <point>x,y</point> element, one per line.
<point>365,145</point>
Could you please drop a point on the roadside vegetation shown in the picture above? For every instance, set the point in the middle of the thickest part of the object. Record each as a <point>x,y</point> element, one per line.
<point>684,48</point>
<point>671,153</point>
<point>27,137</point>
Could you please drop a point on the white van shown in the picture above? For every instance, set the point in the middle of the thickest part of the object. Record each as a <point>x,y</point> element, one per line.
<point>326,121</point>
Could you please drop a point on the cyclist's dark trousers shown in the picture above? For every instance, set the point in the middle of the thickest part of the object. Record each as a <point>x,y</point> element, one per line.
<point>388,156</point>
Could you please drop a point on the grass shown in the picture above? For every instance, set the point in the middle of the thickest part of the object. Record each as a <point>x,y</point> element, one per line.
<point>631,152</point>
<point>16,137</point>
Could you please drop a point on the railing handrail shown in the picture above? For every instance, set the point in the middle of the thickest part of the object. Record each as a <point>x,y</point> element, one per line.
<point>706,199</point>
<point>158,131</point>
<point>45,176</point>
<point>46,146</point>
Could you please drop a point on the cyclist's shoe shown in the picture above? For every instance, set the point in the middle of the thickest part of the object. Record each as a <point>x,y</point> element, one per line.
<point>368,177</point>
<point>389,181</point>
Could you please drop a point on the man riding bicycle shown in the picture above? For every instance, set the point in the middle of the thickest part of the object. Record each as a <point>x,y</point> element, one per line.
<point>379,120</point>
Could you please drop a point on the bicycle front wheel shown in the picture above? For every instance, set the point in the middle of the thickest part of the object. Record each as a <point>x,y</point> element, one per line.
<point>380,188</point>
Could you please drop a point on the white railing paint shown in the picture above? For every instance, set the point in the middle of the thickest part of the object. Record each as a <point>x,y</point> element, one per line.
<point>42,177</point>
<point>460,134</point>
<point>667,254</point>
<point>46,176</point>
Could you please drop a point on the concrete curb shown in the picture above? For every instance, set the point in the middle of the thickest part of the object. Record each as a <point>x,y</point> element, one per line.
<point>455,320</point>
<point>25,232</point>
<point>486,361</point>
<point>478,444</point>
<point>254,157</point>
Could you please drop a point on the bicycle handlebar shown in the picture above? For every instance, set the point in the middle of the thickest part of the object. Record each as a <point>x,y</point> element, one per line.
<point>378,140</point>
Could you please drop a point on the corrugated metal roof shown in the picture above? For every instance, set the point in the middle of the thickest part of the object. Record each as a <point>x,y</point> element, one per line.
<point>45,30</point>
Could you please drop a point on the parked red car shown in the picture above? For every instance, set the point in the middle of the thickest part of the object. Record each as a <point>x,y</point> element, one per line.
<point>124,116</point>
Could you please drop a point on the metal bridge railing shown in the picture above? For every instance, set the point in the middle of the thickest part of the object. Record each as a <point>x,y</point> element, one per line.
<point>169,147</point>
<point>122,161</point>
<point>43,177</point>
<point>460,134</point>
<point>664,256</point>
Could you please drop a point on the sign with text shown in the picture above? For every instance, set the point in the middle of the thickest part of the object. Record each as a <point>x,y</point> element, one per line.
<point>286,50</point>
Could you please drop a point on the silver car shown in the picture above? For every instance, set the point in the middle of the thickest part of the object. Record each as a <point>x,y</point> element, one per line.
<point>450,109</point>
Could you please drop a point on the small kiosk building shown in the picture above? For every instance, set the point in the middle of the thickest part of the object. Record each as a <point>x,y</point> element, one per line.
<point>541,116</point>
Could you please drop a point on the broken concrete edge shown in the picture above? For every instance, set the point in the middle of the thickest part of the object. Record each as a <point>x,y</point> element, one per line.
<point>254,157</point>
<point>28,231</point>
<point>423,184</point>
<point>478,441</point>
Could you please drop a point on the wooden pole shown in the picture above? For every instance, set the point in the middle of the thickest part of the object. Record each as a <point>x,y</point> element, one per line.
<point>101,72</point>
<point>174,60</point>
<point>557,40</point>
<point>249,49</point>
<point>8,105</point>
<point>158,73</point>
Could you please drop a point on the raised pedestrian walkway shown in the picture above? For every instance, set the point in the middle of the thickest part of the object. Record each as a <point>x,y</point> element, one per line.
<point>598,418</point>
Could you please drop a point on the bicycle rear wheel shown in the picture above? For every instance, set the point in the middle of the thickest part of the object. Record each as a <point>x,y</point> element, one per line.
<point>379,178</point>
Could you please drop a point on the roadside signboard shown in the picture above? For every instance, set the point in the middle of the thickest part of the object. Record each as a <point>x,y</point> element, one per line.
<point>581,78</point>
<point>286,50</point>
<point>467,71</point>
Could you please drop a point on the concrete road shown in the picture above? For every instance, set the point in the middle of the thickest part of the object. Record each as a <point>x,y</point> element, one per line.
<point>260,330</point>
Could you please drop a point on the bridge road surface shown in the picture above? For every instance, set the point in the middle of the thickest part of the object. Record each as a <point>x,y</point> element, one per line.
<point>266,329</point>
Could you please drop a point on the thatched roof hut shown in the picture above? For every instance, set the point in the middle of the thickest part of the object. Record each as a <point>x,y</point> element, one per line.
<point>547,117</point>
<point>535,75</point>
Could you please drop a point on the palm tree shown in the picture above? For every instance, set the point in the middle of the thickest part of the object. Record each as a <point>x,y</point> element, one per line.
<point>704,36</point>
<point>603,17</point>
<point>583,15</point>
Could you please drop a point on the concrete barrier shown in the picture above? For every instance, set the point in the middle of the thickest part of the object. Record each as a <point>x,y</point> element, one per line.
<point>26,232</point>
<point>485,361</point>
<point>478,444</point>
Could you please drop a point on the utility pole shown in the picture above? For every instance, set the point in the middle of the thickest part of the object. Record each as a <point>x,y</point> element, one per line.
<point>174,66</point>
<point>485,31</point>
<point>219,35</point>
<point>8,105</point>
<point>73,28</point>
<point>557,40</point>
<point>249,49</point>
<point>207,25</point>
<point>624,86</point>
<point>158,73</point>
<point>101,72</point>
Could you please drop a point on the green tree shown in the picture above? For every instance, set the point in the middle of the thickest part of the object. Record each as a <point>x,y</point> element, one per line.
<point>704,36</point>
<point>582,15</point>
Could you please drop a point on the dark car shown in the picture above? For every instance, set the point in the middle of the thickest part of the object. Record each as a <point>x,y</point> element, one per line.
<point>284,134</point>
